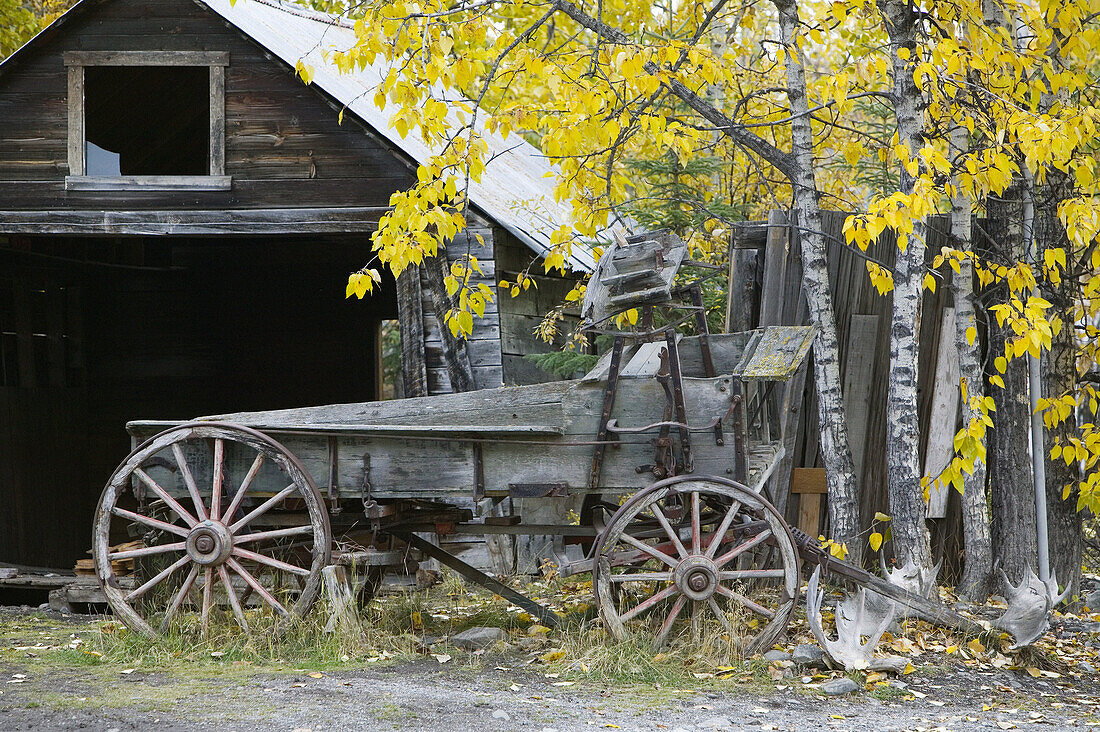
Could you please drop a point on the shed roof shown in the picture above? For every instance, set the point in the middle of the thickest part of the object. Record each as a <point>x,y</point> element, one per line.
<point>517,190</point>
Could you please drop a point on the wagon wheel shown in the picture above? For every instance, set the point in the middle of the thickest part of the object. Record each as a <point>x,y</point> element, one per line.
<point>703,544</point>
<point>202,499</point>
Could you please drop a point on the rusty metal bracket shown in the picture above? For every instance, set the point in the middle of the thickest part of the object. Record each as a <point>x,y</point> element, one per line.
<point>479,473</point>
<point>677,380</point>
<point>545,615</point>
<point>605,412</point>
<point>703,330</point>
<point>613,426</point>
<point>333,475</point>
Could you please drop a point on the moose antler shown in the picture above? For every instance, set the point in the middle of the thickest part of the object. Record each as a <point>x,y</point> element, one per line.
<point>1029,606</point>
<point>911,576</point>
<point>851,625</point>
<point>1052,587</point>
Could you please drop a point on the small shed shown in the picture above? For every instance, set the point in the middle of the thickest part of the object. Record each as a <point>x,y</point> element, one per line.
<point>178,216</point>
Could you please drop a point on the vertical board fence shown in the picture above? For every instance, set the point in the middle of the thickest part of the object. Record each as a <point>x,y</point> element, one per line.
<point>765,288</point>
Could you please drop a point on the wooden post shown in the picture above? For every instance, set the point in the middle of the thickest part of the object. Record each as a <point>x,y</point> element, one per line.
<point>858,375</point>
<point>410,321</point>
<point>943,420</point>
<point>455,354</point>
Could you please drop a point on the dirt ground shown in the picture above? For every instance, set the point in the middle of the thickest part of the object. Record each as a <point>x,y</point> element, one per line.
<point>44,685</point>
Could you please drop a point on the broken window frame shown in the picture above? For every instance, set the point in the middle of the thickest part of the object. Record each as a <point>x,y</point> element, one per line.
<point>78,180</point>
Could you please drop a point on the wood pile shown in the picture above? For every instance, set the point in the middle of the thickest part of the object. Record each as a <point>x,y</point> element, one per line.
<point>121,567</point>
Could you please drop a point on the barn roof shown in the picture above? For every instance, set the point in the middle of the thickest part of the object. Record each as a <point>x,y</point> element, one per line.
<point>517,190</point>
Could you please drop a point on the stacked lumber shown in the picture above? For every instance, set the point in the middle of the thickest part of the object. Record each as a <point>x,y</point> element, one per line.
<point>121,567</point>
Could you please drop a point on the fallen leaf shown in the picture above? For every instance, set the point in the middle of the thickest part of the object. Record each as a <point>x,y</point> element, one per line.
<point>316,675</point>
<point>127,671</point>
<point>1006,725</point>
<point>441,657</point>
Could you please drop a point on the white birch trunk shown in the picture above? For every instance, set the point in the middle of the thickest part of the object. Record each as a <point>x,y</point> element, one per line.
<point>910,532</point>
<point>977,543</point>
<point>835,449</point>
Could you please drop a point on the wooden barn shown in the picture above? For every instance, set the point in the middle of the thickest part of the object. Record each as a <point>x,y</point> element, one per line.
<point>178,217</point>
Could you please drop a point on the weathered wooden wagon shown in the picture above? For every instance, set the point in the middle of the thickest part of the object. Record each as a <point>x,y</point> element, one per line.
<point>664,438</point>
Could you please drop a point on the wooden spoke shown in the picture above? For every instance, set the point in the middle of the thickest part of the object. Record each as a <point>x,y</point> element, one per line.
<point>216,491</point>
<point>720,614</point>
<point>666,626</point>
<point>189,480</point>
<point>750,604</point>
<point>651,551</point>
<point>644,605</point>
<point>179,597</point>
<point>207,600</point>
<point>239,495</point>
<point>146,551</point>
<point>160,577</point>
<point>273,534</point>
<point>643,577</point>
<point>256,586</point>
<point>234,601</point>
<point>663,520</point>
<point>743,547</point>
<point>263,507</point>
<point>696,621</point>
<point>274,563</point>
<point>163,495</point>
<point>720,534</point>
<point>696,525</point>
<point>149,521</point>
<point>753,574</point>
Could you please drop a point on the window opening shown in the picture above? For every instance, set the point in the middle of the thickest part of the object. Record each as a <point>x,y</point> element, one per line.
<point>147,120</point>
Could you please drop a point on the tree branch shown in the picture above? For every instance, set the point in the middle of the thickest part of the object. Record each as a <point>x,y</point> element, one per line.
<point>781,160</point>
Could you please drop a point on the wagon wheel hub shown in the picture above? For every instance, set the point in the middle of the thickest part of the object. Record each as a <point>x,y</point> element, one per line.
<point>696,577</point>
<point>210,543</point>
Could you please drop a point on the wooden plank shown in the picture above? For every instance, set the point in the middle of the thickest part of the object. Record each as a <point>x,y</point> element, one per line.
<point>146,58</point>
<point>809,480</point>
<point>775,269</point>
<point>779,353</point>
<point>217,121</point>
<point>76,121</point>
<point>943,420</point>
<point>811,487</point>
<point>743,299</point>
<point>410,321</point>
<point>148,183</point>
<point>24,334</point>
<point>193,222</point>
<point>859,365</point>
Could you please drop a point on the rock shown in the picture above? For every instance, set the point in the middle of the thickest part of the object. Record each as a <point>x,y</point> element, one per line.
<point>1086,668</point>
<point>807,654</point>
<point>474,639</point>
<point>839,687</point>
<point>1092,600</point>
<point>715,723</point>
<point>501,715</point>
<point>774,656</point>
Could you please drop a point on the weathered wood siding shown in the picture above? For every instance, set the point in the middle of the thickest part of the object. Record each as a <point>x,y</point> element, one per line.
<point>519,316</point>
<point>283,144</point>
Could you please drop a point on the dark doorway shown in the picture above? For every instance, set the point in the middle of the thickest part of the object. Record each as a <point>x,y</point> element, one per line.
<point>100,331</point>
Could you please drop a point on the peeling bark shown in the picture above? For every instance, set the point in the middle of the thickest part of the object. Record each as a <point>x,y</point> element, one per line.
<point>978,545</point>
<point>1010,479</point>
<point>907,508</point>
<point>835,449</point>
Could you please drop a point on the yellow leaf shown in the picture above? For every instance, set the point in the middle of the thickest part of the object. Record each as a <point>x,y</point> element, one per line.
<point>976,646</point>
<point>880,516</point>
<point>971,334</point>
<point>316,675</point>
<point>875,540</point>
<point>1033,672</point>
